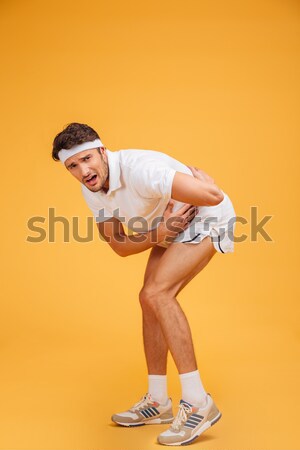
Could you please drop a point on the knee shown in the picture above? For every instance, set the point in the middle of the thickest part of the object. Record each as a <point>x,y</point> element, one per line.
<point>147,297</point>
<point>152,297</point>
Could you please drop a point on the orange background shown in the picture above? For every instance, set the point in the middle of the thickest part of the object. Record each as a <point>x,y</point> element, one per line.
<point>213,84</point>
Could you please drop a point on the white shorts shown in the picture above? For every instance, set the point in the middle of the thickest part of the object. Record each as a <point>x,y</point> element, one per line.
<point>218,222</point>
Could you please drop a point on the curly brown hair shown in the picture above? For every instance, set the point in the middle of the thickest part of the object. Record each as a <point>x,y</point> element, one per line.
<point>72,134</point>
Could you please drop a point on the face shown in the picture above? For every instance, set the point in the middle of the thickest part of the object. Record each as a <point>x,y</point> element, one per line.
<point>90,168</point>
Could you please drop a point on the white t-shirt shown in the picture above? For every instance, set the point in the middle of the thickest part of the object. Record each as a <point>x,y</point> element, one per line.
<point>140,185</point>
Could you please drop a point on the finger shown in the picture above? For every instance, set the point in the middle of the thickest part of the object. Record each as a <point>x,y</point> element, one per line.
<point>170,205</point>
<point>184,208</point>
<point>191,211</point>
<point>190,218</point>
<point>193,169</point>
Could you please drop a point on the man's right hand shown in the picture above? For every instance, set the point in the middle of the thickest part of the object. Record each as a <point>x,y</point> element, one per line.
<point>175,222</point>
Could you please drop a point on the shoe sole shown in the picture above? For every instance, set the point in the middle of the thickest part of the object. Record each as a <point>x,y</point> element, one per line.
<point>201,430</point>
<point>148,422</point>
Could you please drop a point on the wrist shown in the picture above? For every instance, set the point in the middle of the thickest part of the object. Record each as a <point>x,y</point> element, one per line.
<point>160,233</point>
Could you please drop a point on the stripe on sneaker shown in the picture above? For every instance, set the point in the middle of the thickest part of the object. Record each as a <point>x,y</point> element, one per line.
<point>186,403</point>
<point>187,425</point>
<point>149,412</point>
<point>154,410</point>
<point>197,415</point>
<point>193,422</point>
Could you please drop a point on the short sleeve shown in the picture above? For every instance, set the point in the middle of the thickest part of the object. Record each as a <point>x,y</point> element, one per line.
<point>153,180</point>
<point>100,213</point>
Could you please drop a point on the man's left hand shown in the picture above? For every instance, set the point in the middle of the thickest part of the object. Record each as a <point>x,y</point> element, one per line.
<point>201,175</point>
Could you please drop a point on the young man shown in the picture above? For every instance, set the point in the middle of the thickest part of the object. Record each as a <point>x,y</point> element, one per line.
<point>185,218</point>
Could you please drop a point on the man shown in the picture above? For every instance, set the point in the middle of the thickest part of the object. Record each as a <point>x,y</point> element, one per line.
<point>185,218</point>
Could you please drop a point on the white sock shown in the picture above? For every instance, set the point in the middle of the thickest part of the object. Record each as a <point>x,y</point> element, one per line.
<point>157,387</point>
<point>192,389</point>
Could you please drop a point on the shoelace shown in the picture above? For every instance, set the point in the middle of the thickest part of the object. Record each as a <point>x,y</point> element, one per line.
<point>143,402</point>
<point>182,416</point>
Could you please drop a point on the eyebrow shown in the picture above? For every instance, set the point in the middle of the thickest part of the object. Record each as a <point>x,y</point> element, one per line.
<point>83,157</point>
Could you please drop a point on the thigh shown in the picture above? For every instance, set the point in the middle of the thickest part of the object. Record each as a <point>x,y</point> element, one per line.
<point>179,264</point>
<point>154,257</point>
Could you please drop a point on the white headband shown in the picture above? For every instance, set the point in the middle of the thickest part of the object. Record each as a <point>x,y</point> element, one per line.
<point>64,154</point>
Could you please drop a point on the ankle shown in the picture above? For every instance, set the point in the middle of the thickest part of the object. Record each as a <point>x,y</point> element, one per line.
<point>157,387</point>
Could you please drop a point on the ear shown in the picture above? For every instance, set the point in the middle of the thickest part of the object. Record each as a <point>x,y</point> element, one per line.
<point>103,153</point>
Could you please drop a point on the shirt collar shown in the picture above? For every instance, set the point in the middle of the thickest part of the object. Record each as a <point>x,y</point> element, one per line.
<point>114,171</point>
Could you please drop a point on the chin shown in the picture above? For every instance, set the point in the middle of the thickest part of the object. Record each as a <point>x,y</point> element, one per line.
<point>96,188</point>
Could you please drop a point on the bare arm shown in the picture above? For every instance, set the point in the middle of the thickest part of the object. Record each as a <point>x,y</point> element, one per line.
<point>113,232</point>
<point>198,190</point>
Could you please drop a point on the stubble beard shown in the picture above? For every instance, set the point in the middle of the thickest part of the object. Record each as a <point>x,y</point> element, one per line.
<point>101,188</point>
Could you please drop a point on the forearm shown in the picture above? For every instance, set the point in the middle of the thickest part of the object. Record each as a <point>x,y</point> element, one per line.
<point>188,189</point>
<point>205,194</point>
<point>136,243</point>
<point>171,225</point>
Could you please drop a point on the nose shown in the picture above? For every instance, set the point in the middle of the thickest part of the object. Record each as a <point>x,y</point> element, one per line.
<point>85,171</point>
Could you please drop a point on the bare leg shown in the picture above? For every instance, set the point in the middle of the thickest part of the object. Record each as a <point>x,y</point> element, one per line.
<point>171,272</point>
<point>155,345</point>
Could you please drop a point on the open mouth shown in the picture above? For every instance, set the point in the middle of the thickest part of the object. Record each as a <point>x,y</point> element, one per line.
<point>92,180</point>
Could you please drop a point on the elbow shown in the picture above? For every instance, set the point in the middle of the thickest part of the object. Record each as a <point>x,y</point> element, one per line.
<point>119,246</point>
<point>123,255</point>
<point>218,198</point>
<point>121,252</point>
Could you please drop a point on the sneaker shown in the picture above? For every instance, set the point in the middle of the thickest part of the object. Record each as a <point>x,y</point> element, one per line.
<point>145,412</point>
<point>190,422</point>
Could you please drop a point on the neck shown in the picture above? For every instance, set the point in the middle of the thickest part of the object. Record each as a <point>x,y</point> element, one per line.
<point>106,185</point>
